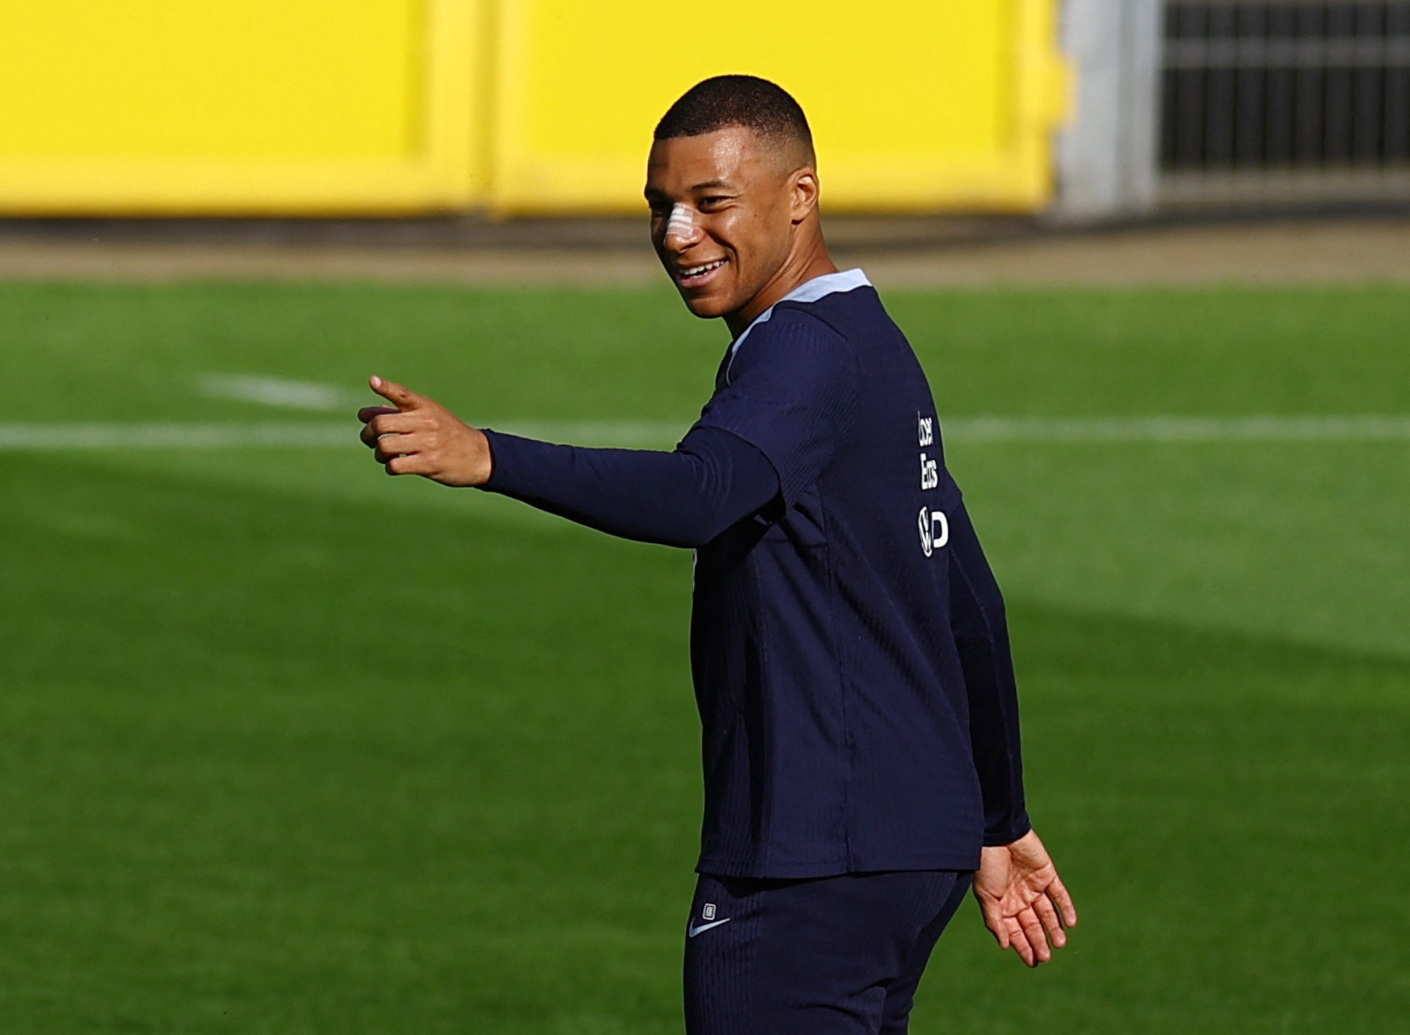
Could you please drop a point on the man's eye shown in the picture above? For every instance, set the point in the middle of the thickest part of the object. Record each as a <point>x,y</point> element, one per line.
<point>713,201</point>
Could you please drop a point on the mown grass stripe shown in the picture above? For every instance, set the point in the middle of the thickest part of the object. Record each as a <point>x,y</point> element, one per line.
<point>1034,430</point>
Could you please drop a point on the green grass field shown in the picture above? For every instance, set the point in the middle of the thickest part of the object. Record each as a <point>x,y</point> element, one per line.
<point>287,746</point>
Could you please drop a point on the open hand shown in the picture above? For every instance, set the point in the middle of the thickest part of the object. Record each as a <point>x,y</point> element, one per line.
<point>1024,902</point>
<point>417,435</point>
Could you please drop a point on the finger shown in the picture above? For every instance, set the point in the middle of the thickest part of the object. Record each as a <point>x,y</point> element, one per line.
<point>399,395</point>
<point>402,427</point>
<point>368,412</point>
<point>393,422</point>
<point>1058,893</point>
<point>1019,941</point>
<point>997,924</point>
<point>1052,923</point>
<point>390,446</point>
<point>373,432</point>
<point>1035,935</point>
<point>396,422</point>
<point>408,464</point>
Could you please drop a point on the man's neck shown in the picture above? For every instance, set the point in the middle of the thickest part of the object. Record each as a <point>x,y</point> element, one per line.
<point>808,263</point>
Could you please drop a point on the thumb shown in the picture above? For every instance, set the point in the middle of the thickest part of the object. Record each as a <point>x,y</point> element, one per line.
<point>403,397</point>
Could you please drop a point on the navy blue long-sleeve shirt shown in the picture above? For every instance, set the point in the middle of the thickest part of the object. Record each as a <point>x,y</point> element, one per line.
<point>681,498</point>
<point>848,642</point>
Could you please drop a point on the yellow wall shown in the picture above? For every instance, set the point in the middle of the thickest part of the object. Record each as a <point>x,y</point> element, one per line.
<point>914,103</point>
<point>317,106</point>
<point>240,105</point>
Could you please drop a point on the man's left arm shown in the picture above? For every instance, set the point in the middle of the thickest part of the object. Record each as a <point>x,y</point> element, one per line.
<point>980,628</point>
<point>1024,902</point>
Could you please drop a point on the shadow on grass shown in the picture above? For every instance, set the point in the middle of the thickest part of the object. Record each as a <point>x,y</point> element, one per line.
<point>1219,805</point>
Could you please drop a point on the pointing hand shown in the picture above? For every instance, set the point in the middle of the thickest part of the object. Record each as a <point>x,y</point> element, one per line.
<point>417,435</point>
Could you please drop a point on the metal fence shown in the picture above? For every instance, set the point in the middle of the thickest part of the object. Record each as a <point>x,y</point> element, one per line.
<point>1285,101</point>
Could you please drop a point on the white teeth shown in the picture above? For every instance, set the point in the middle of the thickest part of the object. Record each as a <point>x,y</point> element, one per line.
<point>695,271</point>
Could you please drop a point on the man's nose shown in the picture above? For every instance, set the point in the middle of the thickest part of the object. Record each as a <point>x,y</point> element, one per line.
<point>681,230</point>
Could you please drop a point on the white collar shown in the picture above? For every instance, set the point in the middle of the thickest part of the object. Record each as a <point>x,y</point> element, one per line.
<point>808,291</point>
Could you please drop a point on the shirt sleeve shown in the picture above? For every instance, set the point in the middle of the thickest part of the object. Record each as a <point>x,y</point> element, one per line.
<point>791,392</point>
<point>981,635</point>
<point>682,498</point>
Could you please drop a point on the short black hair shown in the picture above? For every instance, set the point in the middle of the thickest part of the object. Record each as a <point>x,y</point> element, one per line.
<point>724,101</point>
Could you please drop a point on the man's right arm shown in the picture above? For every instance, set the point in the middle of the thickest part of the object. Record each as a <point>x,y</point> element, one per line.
<point>685,497</point>
<point>681,498</point>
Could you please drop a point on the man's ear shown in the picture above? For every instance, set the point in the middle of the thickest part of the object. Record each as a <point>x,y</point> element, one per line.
<point>804,191</point>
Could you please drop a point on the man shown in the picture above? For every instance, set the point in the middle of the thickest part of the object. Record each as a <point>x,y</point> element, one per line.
<point>848,642</point>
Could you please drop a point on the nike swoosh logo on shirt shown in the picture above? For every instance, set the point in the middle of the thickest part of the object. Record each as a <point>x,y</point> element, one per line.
<point>692,930</point>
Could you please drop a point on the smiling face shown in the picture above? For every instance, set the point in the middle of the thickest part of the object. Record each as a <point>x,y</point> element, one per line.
<point>734,221</point>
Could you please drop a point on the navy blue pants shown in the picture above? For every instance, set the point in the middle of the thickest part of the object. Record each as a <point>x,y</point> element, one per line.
<point>821,956</point>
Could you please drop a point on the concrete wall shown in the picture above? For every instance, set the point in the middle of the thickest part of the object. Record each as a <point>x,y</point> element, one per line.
<point>1106,156</point>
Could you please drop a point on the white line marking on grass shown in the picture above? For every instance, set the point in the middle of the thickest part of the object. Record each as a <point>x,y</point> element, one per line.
<point>173,436</point>
<point>659,434</point>
<point>277,391</point>
<point>303,434</point>
<point>1178,429</point>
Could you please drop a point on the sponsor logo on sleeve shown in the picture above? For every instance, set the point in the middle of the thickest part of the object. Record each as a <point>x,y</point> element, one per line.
<point>933,526</point>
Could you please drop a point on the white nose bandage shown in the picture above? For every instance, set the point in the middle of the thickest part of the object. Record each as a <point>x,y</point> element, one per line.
<point>681,223</point>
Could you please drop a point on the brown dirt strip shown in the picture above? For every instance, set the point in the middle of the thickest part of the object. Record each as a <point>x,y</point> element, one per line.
<point>894,252</point>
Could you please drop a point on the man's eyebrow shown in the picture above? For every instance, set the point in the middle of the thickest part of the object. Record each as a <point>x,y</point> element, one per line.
<point>654,192</point>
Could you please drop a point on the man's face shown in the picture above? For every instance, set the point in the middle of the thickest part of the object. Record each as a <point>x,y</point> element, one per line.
<point>723,208</point>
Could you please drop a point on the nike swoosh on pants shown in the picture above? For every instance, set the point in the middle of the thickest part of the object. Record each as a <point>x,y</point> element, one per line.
<point>692,930</point>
